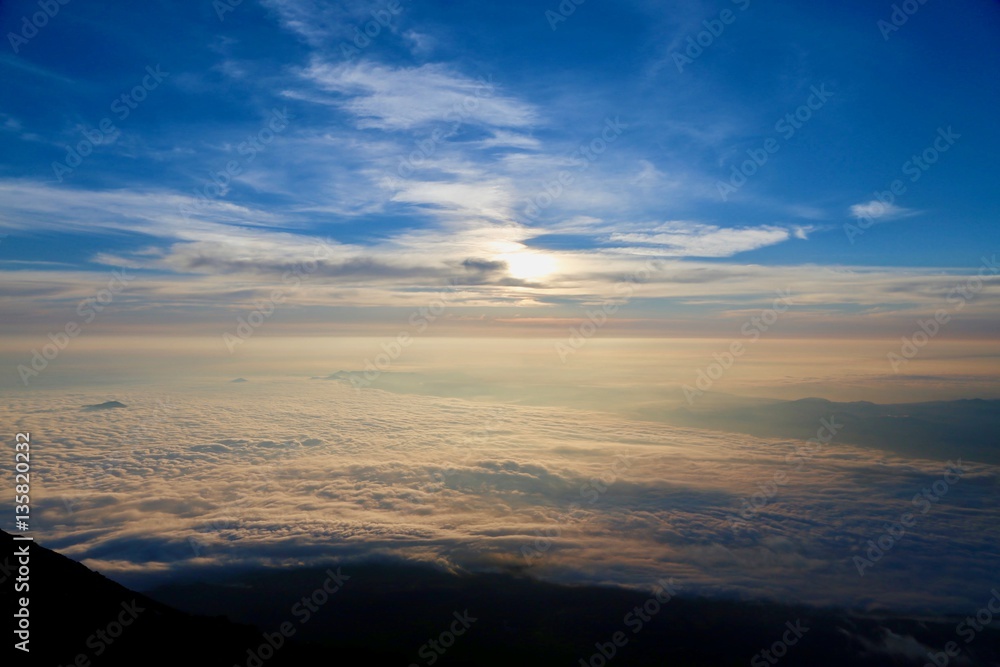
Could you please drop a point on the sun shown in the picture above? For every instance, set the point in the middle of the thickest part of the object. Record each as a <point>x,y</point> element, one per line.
<point>528,265</point>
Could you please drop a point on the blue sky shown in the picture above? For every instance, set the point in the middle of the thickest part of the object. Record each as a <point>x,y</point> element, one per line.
<point>416,158</point>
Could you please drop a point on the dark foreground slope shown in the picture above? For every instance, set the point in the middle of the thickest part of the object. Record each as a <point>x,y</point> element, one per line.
<point>397,614</point>
<point>79,617</point>
<point>401,609</point>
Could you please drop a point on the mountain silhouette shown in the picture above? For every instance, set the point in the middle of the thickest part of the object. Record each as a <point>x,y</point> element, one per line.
<point>74,612</point>
<point>107,405</point>
<point>937,430</point>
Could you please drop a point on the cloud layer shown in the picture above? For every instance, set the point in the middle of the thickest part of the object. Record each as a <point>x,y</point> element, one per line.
<point>287,472</point>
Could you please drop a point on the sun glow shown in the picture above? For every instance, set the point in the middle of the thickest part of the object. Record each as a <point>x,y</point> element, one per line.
<point>529,265</point>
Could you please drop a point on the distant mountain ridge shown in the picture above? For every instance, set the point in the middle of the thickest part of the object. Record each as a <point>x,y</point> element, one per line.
<point>942,430</point>
<point>107,405</point>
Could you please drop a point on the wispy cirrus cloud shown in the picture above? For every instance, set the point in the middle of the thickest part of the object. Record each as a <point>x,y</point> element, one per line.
<point>323,25</point>
<point>680,238</point>
<point>404,98</point>
<point>876,210</point>
<point>478,152</point>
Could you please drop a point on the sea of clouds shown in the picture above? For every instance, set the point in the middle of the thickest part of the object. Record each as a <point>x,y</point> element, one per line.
<point>288,472</point>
